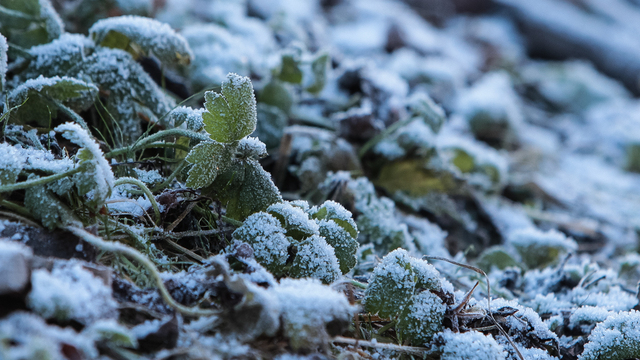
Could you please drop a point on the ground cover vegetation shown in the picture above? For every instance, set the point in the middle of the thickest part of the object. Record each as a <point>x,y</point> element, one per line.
<point>288,179</point>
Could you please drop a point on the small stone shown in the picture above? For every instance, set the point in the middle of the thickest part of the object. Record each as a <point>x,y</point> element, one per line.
<point>15,267</point>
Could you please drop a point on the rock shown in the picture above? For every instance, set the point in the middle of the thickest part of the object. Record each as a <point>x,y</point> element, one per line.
<point>15,267</point>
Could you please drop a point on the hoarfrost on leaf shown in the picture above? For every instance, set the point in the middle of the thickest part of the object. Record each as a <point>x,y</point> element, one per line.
<point>96,180</point>
<point>152,36</point>
<point>616,338</point>
<point>266,236</point>
<point>421,318</point>
<point>231,114</point>
<point>315,258</point>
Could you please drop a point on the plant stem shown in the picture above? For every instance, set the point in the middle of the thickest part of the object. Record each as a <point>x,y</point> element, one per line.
<point>123,249</point>
<point>39,181</point>
<point>156,137</point>
<point>145,189</point>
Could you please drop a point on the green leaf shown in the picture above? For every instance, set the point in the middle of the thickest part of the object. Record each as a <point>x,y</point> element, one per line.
<point>231,115</point>
<point>391,286</point>
<point>47,208</point>
<point>266,236</point>
<point>142,36</point>
<point>294,220</point>
<point>316,259</point>
<point>344,245</point>
<point>26,23</point>
<point>421,319</point>
<point>40,98</point>
<point>209,158</point>
<point>413,177</point>
<point>244,188</point>
<point>319,69</point>
<point>290,71</point>
<point>275,93</point>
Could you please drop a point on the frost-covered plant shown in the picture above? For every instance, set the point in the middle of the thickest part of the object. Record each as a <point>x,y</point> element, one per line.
<point>405,287</point>
<point>30,22</point>
<point>288,240</point>
<point>492,109</point>
<point>469,346</point>
<point>616,338</point>
<point>539,249</point>
<point>228,165</point>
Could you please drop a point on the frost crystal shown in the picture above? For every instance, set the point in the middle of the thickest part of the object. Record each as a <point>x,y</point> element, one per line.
<point>266,236</point>
<point>617,338</point>
<point>471,345</point>
<point>151,35</point>
<point>70,292</point>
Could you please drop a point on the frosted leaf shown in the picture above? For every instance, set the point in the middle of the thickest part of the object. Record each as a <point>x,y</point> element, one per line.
<point>332,210</point>
<point>421,318</point>
<point>149,35</point>
<point>266,236</point>
<point>44,206</point>
<point>616,338</point>
<point>316,259</point>
<point>278,94</point>
<point>296,222</point>
<point>40,97</point>
<point>59,56</point>
<point>69,292</point>
<point>492,109</point>
<point>307,308</point>
<point>539,249</point>
<point>319,67</point>
<point>231,114</point>
<point>30,22</point>
<point>391,285</point>
<point>97,180</point>
<point>422,105</point>
<point>131,90</point>
<point>209,158</point>
<point>11,163</point>
<point>344,245</point>
<point>251,148</point>
<point>290,67</point>
<point>427,277</point>
<point>471,345</point>
<point>245,188</point>
<point>185,114</point>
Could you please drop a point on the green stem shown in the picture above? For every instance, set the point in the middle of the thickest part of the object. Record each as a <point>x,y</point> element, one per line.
<point>156,137</point>
<point>231,221</point>
<point>39,181</point>
<point>357,284</point>
<point>123,249</point>
<point>145,189</point>
<point>21,210</point>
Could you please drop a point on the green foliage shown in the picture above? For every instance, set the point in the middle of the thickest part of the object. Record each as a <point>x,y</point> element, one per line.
<point>496,256</point>
<point>42,98</point>
<point>294,220</point>
<point>290,70</point>
<point>47,208</point>
<point>319,67</point>
<point>142,36</point>
<point>337,226</point>
<point>29,22</point>
<point>266,236</point>
<point>276,93</point>
<point>316,259</point>
<point>616,338</point>
<point>421,318</point>
<point>231,114</point>
<point>539,249</point>
<point>391,285</point>
<point>207,157</point>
